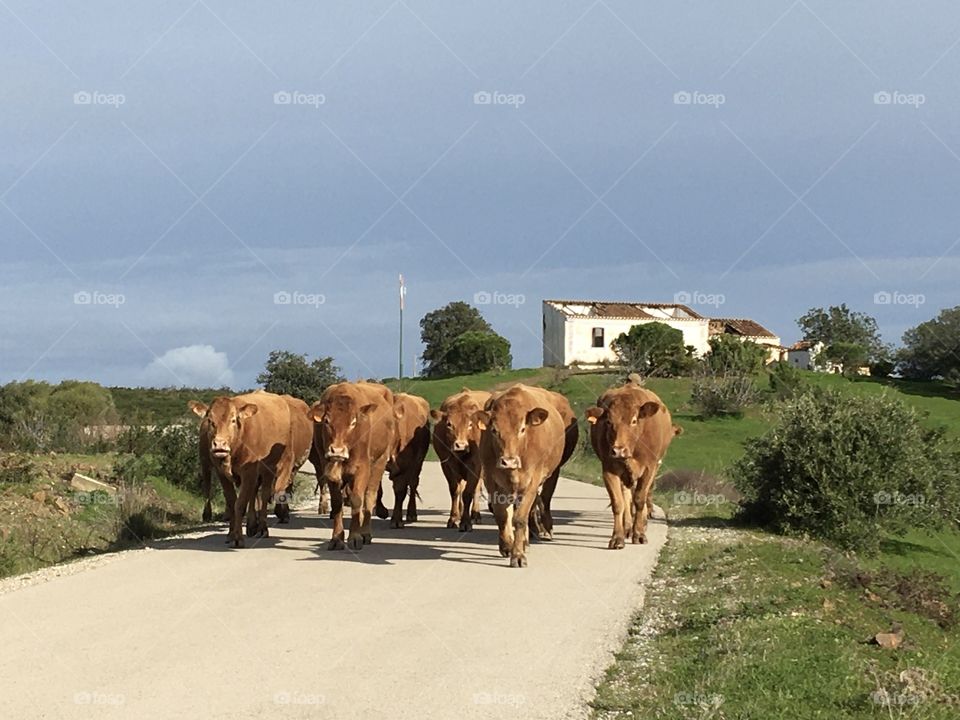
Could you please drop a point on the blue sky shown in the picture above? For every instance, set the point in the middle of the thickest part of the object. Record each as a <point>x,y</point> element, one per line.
<point>169,167</point>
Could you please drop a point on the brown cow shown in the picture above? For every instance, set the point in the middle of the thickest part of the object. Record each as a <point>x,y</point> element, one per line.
<point>250,439</point>
<point>456,440</point>
<point>412,442</point>
<point>354,432</point>
<point>207,468</point>
<point>541,520</point>
<point>522,445</point>
<point>630,431</point>
<point>301,443</point>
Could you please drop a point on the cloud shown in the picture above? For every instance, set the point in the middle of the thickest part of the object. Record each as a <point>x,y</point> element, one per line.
<point>189,366</point>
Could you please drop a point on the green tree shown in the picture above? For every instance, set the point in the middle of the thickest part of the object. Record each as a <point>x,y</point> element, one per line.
<point>475,352</point>
<point>287,373</point>
<point>441,327</point>
<point>37,416</point>
<point>729,354</point>
<point>653,349</point>
<point>850,356</point>
<point>840,324</point>
<point>932,348</point>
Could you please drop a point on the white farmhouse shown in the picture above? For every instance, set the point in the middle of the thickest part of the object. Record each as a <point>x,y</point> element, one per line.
<point>579,332</point>
<point>803,355</point>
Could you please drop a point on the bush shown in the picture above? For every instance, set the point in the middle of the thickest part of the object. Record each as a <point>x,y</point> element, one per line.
<point>716,394</point>
<point>653,349</point>
<point>786,381</point>
<point>167,451</point>
<point>847,470</point>
<point>729,354</point>
<point>475,352</point>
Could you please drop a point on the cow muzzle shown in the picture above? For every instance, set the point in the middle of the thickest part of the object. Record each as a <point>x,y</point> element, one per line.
<point>619,451</point>
<point>337,453</point>
<point>460,446</point>
<point>509,463</point>
<point>220,449</point>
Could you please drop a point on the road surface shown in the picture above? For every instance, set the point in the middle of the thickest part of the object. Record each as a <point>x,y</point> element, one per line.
<point>425,623</point>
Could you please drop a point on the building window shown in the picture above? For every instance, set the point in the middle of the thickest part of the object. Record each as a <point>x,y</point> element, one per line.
<point>598,338</point>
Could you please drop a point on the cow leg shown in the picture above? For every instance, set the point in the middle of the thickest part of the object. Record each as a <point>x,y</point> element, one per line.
<point>381,509</point>
<point>248,487</point>
<point>615,491</point>
<point>253,510</point>
<point>642,502</point>
<point>456,501</point>
<point>324,506</point>
<point>501,504</point>
<point>399,497</point>
<point>336,515</point>
<point>374,483</point>
<point>468,502</point>
<point>414,485</point>
<point>628,494</point>
<point>358,501</point>
<point>282,487</point>
<point>546,497</point>
<point>206,486</point>
<point>267,485</point>
<point>521,526</point>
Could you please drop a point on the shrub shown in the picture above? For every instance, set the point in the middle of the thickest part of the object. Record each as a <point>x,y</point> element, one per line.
<point>653,349</point>
<point>716,394</point>
<point>168,451</point>
<point>475,352</point>
<point>847,470</point>
<point>729,354</point>
<point>785,380</point>
<point>18,468</point>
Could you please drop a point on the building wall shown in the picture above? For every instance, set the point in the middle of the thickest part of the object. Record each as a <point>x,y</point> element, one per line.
<point>579,337</point>
<point>554,353</point>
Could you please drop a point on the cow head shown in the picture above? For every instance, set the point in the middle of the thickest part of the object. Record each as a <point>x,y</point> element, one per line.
<point>456,427</point>
<point>505,422</point>
<point>622,422</point>
<point>340,419</point>
<point>223,420</point>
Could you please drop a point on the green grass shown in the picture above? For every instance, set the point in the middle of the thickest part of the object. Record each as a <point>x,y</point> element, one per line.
<point>158,405</point>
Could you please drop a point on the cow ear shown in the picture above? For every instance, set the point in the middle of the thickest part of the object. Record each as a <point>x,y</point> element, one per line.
<point>398,411</point>
<point>648,409</point>
<point>248,410</point>
<point>464,389</point>
<point>677,430</point>
<point>536,416</point>
<point>593,414</point>
<point>482,419</point>
<point>436,415</point>
<point>315,412</point>
<point>198,408</point>
<point>368,408</point>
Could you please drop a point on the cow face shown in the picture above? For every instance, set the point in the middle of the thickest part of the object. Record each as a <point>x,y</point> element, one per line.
<point>340,420</point>
<point>456,427</point>
<point>223,422</point>
<point>506,424</point>
<point>622,423</point>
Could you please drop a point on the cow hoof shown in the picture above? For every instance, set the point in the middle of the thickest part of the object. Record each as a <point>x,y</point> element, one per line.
<point>466,526</point>
<point>238,543</point>
<point>264,532</point>
<point>504,551</point>
<point>639,539</point>
<point>251,529</point>
<point>396,524</point>
<point>615,544</point>
<point>323,509</point>
<point>475,517</point>
<point>367,539</point>
<point>355,543</point>
<point>411,516</point>
<point>545,536</point>
<point>451,523</point>
<point>207,514</point>
<point>336,544</point>
<point>382,512</point>
<point>518,562</point>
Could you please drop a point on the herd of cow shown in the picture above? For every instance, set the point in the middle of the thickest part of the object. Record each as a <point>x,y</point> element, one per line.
<point>514,441</point>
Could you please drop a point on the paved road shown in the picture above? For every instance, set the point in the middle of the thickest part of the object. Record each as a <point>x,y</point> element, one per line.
<point>424,623</point>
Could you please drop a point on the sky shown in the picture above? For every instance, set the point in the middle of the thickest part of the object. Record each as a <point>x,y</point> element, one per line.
<point>187,185</point>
